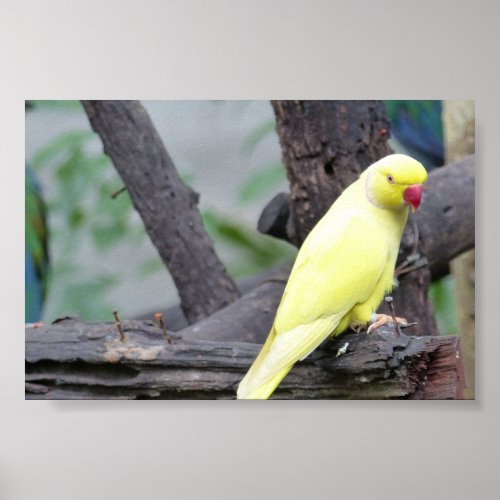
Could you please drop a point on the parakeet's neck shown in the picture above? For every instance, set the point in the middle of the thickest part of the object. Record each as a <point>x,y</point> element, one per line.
<point>358,199</point>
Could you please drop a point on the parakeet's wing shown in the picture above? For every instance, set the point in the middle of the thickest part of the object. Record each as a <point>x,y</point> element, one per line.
<point>338,267</point>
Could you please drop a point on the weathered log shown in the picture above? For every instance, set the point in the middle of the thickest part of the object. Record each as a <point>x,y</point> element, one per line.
<point>253,312</point>
<point>247,319</point>
<point>76,360</point>
<point>167,205</point>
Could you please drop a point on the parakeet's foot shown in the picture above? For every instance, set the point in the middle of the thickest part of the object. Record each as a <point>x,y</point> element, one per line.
<point>383,319</point>
<point>356,328</point>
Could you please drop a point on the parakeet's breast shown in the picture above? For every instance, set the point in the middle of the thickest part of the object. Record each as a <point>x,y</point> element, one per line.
<point>361,313</point>
<point>384,235</point>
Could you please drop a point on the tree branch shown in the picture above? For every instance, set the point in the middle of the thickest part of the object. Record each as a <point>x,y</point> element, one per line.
<point>446,218</point>
<point>167,206</point>
<point>75,360</point>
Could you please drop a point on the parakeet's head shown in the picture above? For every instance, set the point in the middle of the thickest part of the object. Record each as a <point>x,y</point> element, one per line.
<point>395,182</point>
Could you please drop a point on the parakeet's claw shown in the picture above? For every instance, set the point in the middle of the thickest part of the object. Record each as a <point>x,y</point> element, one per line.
<point>357,328</point>
<point>383,319</point>
<point>412,263</point>
<point>408,324</point>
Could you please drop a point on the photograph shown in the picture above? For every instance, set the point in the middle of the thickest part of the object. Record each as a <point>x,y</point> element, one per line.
<point>249,262</point>
<point>250,249</point>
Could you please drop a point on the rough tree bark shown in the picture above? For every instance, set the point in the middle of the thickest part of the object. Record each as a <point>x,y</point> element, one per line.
<point>75,360</point>
<point>167,206</point>
<point>326,145</point>
<point>247,319</point>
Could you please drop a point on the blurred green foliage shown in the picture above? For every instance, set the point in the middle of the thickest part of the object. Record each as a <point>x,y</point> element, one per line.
<point>262,183</point>
<point>82,213</point>
<point>442,295</point>
<point>80,205</point>
<point>257,252</point>
<point>265,181</point>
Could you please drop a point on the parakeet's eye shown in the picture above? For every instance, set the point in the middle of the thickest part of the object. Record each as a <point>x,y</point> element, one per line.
<point>390,179</point>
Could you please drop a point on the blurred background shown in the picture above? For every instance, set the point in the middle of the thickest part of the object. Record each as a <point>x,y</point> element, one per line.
<point>87,253</point>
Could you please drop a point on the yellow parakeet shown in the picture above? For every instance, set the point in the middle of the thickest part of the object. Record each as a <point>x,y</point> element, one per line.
<point>342,271</point>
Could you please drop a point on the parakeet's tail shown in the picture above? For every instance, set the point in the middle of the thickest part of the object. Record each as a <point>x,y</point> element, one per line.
<point>247,391</point>
<point>248,388</point>
<point>279,353</point>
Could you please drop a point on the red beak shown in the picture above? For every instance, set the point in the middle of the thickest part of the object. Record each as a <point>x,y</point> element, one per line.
<point>413,195</point>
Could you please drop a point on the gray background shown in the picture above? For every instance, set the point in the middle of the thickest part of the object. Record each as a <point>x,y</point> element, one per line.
<point>248,50</point>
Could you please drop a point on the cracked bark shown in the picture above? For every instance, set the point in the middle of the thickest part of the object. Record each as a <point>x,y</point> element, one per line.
<point>76,360</point>
<point>325,146</point>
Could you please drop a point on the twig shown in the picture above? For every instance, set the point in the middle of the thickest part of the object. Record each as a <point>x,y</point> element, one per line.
<point>166,335</point>
<point>120,191</point>
<point>388,299</point>
<point>118,325</point>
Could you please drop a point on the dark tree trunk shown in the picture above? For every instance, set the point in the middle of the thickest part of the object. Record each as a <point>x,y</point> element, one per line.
<point>74,360</point>
<point>325,146</point>
<point>167,206</point>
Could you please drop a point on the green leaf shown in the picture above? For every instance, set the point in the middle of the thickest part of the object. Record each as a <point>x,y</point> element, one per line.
<point>262,183</point>
<point>106,233</point>
<point>257,252</point>
<point>442,295</point>
<point>258,134</point>
<point>59,105</point>
<point>76,217</point>
<point>60,145</point>
<point>152,266</point>
<point>86,298</point>
<point>187,178</point>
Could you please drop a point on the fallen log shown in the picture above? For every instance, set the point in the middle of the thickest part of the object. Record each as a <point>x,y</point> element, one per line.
<point>77,360</point>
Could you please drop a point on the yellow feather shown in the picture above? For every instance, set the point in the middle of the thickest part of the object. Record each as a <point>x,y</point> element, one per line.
<point>343,269</point>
